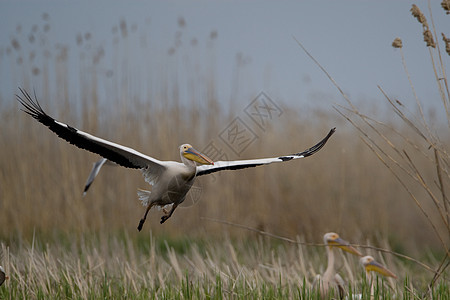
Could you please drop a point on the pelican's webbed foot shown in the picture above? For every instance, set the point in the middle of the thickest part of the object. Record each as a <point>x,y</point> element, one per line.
<point>168,215</point>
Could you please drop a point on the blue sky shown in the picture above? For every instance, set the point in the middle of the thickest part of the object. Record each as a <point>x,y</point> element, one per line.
<point>351,39</point>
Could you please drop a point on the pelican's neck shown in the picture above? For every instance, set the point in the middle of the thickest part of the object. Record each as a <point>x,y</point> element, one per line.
<point>191,168</point>
<point>329,273</point>
<point>369,279</point>
<point>368,276</point>
<point>188,163</point>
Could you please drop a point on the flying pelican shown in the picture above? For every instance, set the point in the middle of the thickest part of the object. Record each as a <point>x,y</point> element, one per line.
<point>170,180</point>
<point>3,276</point>
<point>330,279</point>
<point>370,265</point>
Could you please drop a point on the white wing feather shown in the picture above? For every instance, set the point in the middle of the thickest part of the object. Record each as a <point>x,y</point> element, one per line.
<point>242,164</point>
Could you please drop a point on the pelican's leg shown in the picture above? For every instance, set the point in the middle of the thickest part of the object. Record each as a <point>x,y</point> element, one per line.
<point>142,221</point>
<point>166,216</point>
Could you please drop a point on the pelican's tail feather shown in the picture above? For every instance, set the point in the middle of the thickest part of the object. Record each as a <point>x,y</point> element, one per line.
<point>144,196</point>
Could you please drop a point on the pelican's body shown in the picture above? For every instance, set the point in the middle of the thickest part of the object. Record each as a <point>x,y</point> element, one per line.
<point>330,279</point>
<point>170,180</point>
<point>172,183</point>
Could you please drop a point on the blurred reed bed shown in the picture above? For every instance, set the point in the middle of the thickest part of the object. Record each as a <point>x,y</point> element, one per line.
<point>344,188</point>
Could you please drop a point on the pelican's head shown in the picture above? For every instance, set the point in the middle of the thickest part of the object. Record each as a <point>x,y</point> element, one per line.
<point>333,240</point>
<point>190,153</point>
<point>370,265</point>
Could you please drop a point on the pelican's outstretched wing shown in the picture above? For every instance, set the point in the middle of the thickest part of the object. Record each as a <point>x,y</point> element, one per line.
<point>124,156</point>
<point>241,164</point>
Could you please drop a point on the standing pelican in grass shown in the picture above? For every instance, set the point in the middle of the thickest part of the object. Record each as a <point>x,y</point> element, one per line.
<point>330,279</point>
<point>370,265</point>
<point>170,180</point>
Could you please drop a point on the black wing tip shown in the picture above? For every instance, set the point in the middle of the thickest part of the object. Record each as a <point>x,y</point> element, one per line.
<point>86,188</point>
<point>318,146</point>
<point>332,131</point>
<point>30,106</point>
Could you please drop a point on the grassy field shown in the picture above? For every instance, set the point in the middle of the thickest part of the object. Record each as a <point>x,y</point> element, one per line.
<point>387,189</point>
<point>120,266</point>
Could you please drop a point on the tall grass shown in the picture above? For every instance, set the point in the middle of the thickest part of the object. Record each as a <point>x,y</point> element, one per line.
<point>89,247</point>
<point>118,266</point>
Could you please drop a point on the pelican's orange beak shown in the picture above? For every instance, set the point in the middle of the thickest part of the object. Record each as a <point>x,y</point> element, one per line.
<point>195,155</point>
<point>371,265</point>
<point>344,245</point>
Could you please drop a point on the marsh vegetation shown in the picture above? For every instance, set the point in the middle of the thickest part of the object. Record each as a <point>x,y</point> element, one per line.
<point>382,180</point>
